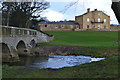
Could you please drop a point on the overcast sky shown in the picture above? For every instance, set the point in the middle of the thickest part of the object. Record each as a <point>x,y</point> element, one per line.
<point>56,6</point>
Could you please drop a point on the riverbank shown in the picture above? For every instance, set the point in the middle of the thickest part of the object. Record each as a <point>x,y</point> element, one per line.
<point>87,43</point>
<point>107,68</point>
<point>75,50</point>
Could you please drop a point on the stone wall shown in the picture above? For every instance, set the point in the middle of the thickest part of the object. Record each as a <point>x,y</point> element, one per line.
<point>57,27</point>
<point>115,28</point>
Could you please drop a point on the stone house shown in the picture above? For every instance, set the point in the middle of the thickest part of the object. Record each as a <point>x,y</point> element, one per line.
<point>96,20</point>
<point>91,20</point>
<point>58,26</point>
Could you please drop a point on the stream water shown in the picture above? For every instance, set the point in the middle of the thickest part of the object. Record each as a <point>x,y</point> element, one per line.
<point>54,61</point>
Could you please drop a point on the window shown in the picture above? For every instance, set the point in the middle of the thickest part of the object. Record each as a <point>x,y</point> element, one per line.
<point>104,26</point>
<point>105,20</point>
<point>98,26</point>
<point>88,20</point>
<point>62,26</point>
<point>88,26</point>
<point>93,20</point>
<point>99,14</point>
<point>77,27</point>
<point>45,25</point>
<point>93,26</point>
<point>71,26</point>
<point>98,19</point>
<point>56,27</point>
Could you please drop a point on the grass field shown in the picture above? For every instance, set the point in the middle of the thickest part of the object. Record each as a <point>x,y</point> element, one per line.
<point>84,38</point>
<point>103,41</point>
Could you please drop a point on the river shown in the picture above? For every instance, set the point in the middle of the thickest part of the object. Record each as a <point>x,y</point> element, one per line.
<point>54,61</point>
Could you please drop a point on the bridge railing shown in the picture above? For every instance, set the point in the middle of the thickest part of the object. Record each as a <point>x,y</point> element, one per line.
<point>14,31</point>
<point>24,32</point>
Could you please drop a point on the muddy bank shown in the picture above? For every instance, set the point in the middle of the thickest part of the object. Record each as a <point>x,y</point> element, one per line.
<point>56,50</point>
<point>74,50</point>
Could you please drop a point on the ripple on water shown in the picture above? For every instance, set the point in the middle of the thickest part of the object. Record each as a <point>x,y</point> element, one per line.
<point>56,61</point>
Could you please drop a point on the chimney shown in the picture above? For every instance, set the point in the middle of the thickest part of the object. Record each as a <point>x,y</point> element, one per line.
<point>88,10</point>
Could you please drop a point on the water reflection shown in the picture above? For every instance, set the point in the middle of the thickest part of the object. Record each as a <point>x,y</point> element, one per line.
<point>54,61</point>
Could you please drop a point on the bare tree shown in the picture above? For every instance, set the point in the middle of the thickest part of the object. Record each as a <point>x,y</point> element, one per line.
<point>20,13</point>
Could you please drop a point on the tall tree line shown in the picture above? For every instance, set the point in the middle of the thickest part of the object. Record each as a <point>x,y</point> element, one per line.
<point>20,14</point>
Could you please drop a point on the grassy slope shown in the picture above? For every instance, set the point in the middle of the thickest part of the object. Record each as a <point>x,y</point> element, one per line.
<point>84,38</point>
<point>107,68</point>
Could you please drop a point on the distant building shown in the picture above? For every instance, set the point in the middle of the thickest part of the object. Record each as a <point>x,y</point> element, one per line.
<point>61,25</point>
<point>114,27</point>
<point>96,20</point>
<point>91,20</point>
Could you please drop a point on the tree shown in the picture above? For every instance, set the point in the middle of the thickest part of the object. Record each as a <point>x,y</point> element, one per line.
<point>116,9</point>
<point>20,13</point>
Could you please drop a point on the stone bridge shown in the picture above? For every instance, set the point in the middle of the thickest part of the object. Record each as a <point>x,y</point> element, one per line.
<point>17,42</point>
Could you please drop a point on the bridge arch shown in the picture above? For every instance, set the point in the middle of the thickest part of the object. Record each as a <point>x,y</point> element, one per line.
<point>33,43</point>
<point>21,45</point>
<point>6,52</point>
<point>21,48</point>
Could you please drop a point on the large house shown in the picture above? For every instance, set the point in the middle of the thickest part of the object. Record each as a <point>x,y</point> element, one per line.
<point>91,20</point>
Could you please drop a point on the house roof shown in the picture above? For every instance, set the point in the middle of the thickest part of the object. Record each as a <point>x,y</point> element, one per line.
<point>115,25</point>
<point>92,12</point>
<point>59,22</point>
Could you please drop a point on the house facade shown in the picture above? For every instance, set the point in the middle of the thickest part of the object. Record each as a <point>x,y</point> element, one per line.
<point>91,20</point>
<point>58,26</point>
<point>96,20</point>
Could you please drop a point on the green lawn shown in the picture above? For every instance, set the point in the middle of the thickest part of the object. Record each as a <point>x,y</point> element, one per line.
<point>102,43</point>
<point>84,38</point>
